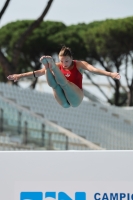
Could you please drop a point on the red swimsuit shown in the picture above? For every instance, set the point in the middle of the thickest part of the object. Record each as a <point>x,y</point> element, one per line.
<point>73,75</point>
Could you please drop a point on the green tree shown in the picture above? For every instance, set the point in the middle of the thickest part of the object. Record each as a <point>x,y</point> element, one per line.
<point>111,45</point>
<point>70,37</point>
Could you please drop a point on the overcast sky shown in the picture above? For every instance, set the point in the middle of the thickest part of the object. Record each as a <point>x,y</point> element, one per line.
<point>68,11</point>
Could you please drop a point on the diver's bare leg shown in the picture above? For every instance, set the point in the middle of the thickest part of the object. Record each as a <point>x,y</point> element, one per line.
<point>72,92</point>
<point>57,90</point>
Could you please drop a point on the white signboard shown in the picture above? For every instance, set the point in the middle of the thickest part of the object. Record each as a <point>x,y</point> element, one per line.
<point>79,175</point>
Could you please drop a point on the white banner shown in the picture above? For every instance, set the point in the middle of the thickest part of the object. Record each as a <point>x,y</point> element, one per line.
<point>86,175</point>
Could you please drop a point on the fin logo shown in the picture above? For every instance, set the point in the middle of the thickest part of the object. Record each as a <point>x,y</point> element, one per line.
<point>54,195</point>
<point>67,75</point>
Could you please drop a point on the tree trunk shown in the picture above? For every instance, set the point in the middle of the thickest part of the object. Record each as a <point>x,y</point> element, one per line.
<point>131,94</point>
<point>6,65</point>
<point>100,89</point>
<point>4,8</point>
<point>33,85</point>
<point>27,33</point>
<point>117,94</point>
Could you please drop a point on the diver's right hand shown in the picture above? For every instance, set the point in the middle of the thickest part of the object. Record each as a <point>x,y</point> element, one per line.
<point>47,61</point>
<point>14,77</point>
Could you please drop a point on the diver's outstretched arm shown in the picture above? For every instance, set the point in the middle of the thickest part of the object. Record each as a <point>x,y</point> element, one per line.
<point>35,74</point>
<point>86,66</point>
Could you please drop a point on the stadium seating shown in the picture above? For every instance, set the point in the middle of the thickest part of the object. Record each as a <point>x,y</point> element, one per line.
<point>15,117</point>
<point>109,127</point>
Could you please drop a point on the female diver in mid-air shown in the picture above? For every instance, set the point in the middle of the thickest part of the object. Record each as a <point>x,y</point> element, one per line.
<point>65,77</point>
